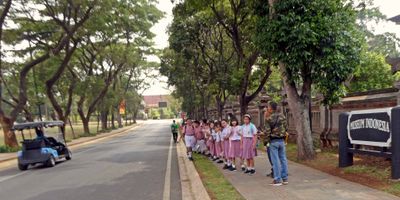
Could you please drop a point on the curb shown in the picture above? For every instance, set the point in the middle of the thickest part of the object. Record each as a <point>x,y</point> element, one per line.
<point>192,186</point>
<point>94,139</point>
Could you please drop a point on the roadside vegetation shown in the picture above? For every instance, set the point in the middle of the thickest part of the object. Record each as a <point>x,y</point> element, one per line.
<point>214,181</point>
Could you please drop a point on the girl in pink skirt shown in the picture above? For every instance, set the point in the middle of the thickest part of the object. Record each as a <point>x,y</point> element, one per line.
<point>234,139</point>
<point>226,131</point>
<point>209,142</point>
<point>249,135</point>
<point>218,142</point>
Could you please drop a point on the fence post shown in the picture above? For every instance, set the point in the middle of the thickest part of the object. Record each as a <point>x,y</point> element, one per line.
<point>395,130</point>
<point>345,157</point>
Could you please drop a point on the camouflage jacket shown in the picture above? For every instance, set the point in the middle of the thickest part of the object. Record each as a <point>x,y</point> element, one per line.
<point>275,127</point>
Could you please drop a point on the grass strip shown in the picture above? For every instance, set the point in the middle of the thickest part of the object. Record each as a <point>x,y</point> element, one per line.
<point>216,184</point>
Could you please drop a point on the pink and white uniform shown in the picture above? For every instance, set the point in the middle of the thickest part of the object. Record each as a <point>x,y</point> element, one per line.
<point>225,141</point>
<point>234,150</point>
<point>249,133</point>
<point>218,149</point>
<point>190,139</point>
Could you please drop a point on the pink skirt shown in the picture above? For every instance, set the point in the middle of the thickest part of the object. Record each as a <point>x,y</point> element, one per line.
<point>234,150</point>
<point>218,149</point>
<point>211,147</point>
<point>248,151</point>
<point>226,149</point>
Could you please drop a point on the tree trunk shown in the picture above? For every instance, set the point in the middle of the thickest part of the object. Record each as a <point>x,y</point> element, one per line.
<point>299,105</point>
<point>103,118</point>
<point>119,119</point>
<point>86,129</point>
<point>243,107</point>
<point>134,116</point>
<point>72,128</point>
<point>112,120</point>
<point>10,139</point>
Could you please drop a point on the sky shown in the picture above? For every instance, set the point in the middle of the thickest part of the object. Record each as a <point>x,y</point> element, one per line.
<point>389,8</point>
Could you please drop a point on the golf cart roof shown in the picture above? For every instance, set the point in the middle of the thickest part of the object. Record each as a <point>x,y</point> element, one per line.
<point>31,125</point>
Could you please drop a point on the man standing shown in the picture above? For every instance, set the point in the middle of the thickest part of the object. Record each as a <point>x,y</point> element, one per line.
<point>174,130</point>
<point>276,128</point>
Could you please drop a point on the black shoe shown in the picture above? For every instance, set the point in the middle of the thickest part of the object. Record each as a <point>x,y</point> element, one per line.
<point>191,158</point>
<point>243,169</point>
<point>285,182</point>
<point>253,171</point>
<point>232,169</point>
<point>214,159</point>
<point>247,171</point>
<point>220,161</point>
<point>225,166</point>
<point>270,175</point>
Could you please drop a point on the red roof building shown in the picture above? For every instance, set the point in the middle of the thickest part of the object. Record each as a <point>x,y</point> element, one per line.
<point>153,101</point>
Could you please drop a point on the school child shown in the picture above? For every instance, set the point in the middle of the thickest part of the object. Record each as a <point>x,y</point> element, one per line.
<point>189,135</point>
<point>213,138</point>
<point>249,135</point>
<point>225,143</point>
<point>198,133</point>
<point>209,140</point>
<point>218,143</point>
<point>235,140</point>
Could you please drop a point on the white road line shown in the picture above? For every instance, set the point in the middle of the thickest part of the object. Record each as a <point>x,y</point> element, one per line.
<point>12,176</point>
<point>167,183</point>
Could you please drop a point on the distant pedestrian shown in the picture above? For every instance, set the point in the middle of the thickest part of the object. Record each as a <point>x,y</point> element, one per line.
<point>276,128</point>
<point>174,130</point>
<point>189,135</point>
<point>249,141</point>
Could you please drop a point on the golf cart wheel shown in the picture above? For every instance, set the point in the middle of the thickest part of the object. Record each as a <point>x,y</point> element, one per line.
<point>22,167</point>
<point>51,162</point>
<point>68,154</point>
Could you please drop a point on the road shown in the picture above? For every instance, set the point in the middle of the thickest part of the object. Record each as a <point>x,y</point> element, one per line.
<point>130,166</point>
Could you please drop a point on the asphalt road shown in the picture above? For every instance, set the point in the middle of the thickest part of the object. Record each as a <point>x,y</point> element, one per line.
<point>132,166</point>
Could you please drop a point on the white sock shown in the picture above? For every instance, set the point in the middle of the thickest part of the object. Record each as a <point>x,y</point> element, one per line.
<point>233,166</point>
<point>190,154</point>
<point>243,166</point>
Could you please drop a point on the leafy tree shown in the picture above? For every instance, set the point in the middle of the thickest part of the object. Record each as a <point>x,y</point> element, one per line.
<point>314,42</point>
<point>372,73</point>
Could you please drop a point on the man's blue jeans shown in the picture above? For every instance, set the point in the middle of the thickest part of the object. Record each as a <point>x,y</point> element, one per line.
<point>279,161</point>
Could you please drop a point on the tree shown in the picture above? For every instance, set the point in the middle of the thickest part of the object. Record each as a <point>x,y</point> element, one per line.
<point>372,73</point>
<point>237,18</point>
<point>315,43</point>
<point>39,30</point>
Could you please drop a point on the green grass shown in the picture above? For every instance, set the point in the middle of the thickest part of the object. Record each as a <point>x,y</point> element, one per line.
<point>381,174</point>
<point>217,186</point>
<point>4,149</point>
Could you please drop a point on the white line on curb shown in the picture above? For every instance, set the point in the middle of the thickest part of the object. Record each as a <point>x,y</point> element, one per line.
<point>167,183</point>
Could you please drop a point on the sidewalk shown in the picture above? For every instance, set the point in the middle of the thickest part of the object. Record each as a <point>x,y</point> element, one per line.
<point>192,186</point>
<point>304,183</point>
<point>76,142</point>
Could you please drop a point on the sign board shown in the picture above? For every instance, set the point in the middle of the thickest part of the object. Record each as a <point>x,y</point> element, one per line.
<point>162,104</point>
<point>370,127</point>
<point>379,128</point>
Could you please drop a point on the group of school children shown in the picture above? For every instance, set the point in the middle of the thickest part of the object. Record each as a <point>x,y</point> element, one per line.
<point>234,144</point>
<point>231,144</point>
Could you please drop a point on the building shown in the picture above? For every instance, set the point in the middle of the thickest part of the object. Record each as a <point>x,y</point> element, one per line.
<point>157,101</point>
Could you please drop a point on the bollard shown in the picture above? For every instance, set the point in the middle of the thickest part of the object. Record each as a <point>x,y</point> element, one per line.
<point>395,147</point>
<point>345,157</point>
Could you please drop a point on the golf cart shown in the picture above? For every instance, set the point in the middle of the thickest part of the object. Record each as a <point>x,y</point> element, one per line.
<point>43,148</point>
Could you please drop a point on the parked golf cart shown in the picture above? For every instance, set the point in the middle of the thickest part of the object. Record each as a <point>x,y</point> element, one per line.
<point>43,148</point>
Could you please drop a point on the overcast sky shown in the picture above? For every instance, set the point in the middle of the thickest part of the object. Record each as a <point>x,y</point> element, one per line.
<point>389,8</point>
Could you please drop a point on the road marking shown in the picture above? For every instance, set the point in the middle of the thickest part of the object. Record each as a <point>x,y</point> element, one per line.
<point>167,183</point>
<point>12,176</point>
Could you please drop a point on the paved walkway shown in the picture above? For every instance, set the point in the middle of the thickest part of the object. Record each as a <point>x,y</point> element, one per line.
<point>304,183</point>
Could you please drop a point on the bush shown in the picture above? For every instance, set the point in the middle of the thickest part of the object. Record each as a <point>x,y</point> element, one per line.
<point>6,149</point>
